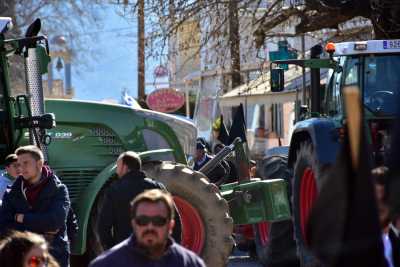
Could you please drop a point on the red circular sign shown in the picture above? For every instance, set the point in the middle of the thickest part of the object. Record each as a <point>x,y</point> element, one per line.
<point>165,100</point>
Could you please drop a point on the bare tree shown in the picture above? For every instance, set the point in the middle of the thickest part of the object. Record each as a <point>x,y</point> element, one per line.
<point>74,20</point>
<point>315,15</point>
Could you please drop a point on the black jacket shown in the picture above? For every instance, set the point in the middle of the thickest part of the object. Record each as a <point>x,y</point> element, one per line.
<point>114,224</point>
<point>395,241</point>
<point>127,253</point>
<point>48,214</point>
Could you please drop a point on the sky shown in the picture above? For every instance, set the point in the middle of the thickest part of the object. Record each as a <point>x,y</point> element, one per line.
<point>115,67</point>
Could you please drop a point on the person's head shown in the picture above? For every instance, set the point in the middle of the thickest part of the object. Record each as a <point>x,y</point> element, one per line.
<point>25,249</point>
<point>200,150</point>
<point>152,218</point>
<point>12,166</point>
<point>30,160</point>
<point>380,179</point>
<point>128,161</point>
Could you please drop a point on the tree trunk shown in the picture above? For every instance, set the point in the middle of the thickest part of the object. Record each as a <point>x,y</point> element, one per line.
<point>234,43</point>
<point>141,52</point>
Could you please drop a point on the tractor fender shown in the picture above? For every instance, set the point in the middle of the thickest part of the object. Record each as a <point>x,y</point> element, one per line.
<point>84,207</point>
<point>322,134</point>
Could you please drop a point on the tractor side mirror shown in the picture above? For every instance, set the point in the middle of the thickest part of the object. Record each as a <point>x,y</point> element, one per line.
<point>277,80</point>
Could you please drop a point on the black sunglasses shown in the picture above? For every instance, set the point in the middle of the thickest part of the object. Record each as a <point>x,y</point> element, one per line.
<point>143,220</point>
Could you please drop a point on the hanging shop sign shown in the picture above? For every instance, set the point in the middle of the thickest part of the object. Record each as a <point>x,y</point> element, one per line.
<point>165,100</point>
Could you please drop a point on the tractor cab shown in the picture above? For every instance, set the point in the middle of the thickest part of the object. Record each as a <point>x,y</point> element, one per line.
<point>24,112</point>
<point>373,67</point>
<point>5,129</point>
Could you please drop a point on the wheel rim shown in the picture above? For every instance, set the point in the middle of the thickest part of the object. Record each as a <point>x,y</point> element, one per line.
<point>308,195</point>
<point>193,231</point>
<point>263,232</point>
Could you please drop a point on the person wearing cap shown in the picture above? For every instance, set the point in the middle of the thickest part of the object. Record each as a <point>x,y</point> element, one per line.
<point>218,173</point>
<point>10,173</point>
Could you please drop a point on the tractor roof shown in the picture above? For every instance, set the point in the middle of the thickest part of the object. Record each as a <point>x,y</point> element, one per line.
<point>368,47</point>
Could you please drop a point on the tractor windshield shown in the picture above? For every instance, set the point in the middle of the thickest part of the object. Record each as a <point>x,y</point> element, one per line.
<point>381,83</point>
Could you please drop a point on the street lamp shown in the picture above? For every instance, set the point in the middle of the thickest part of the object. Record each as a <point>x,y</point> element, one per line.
<point>61,52</point>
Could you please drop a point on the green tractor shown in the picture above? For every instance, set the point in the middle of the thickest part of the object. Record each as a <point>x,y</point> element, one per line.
<point>82,140</point>
<point>82,148</point>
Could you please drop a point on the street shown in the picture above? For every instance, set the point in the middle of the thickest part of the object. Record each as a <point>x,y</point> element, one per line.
<point>242,261</point>
<point>239,258</point>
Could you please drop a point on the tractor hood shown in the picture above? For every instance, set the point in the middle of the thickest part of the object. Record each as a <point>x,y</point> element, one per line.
<point>127,124</point>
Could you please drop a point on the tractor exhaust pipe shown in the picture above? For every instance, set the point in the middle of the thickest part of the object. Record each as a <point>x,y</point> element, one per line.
<point>34,88</point>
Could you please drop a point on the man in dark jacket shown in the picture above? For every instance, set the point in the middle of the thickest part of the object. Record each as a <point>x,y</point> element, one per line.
<point>114,222</point>
<point>37,202</point>
<point>152,220</point>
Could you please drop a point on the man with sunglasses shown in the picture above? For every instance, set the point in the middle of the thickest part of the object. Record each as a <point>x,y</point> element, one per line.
<point>152,220</point>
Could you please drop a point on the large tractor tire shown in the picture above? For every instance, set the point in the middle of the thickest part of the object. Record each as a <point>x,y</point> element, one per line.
<point>275,246</point>
<point>206,225</point>
<point>307,179</point>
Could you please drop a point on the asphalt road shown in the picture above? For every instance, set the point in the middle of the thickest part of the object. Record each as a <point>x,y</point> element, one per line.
<point>241,259</point>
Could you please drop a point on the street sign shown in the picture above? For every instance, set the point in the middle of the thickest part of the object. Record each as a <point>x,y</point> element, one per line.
<point>283,53</point>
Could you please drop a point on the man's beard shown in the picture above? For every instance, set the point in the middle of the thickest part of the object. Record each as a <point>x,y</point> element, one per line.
<point>155,249</point>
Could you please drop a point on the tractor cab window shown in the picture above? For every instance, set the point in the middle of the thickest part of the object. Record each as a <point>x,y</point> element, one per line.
<point>333,94</point>
<point>381,83</point>
<point>351,71</point>
<point>154,140</point>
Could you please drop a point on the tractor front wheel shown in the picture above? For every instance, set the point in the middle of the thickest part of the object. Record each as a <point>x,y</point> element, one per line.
<point>306,185</point>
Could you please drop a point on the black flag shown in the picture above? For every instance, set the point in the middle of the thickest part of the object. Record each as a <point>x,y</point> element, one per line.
<point>238,128</point>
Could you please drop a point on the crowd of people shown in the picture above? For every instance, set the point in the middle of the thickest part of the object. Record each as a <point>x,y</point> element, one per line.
<point>136,221</point>
<point>37,222</point>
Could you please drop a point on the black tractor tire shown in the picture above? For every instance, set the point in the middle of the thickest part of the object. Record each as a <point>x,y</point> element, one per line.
<point>93,243</point>
<point>280,248</point>
<point>205,198</point>
<point>305,161</point>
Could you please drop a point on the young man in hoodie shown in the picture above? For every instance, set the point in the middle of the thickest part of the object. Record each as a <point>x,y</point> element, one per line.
<point>38,202</point>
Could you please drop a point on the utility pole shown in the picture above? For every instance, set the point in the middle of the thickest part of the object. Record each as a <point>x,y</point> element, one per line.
<point>234,42</point>
<point>141,52</point>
